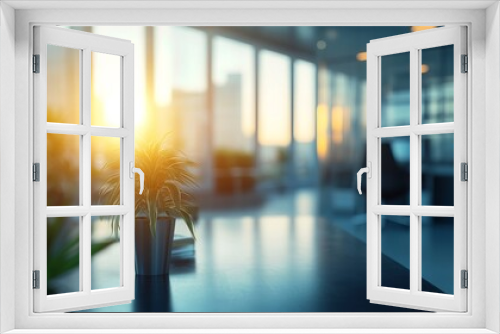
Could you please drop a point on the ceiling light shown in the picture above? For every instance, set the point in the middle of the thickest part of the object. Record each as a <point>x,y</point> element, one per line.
<point>420,28</point>
<point>361,56</point>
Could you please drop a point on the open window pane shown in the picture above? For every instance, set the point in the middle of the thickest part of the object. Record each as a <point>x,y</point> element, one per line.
<point>105,171</point>
<point>437,254</point>
<point>63,85</point>
<point>438,94</point>
<point>437,169</point>
<point>82,175</point>
<point>63,170</point>
<point>106,90</point>
<point>395,89</point>
<point>395,170</point>
<point>63,255</point>
<point>395,248</point>
<point>437,84</point>
<point>106,252</point>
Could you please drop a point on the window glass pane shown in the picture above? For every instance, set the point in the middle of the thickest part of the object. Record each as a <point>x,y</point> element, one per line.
<point>437,84</point>
<point>274,114</point>
<point>106,90</point>
<point>106,252</point>
<point>63,85</point>
<point>437,254</point>
<point>63,171</point>
<point>437,169</point>
<point>395,89</point>
<point>395,248</point>
<point>136,34</point>
<point>63,255</point>
<point>395,170</point>
<point>234,115</point>
<point>304,125</point>
<point>105,170</point>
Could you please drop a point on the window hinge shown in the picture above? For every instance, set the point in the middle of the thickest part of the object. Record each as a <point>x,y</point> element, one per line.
<point>36,172</point>
<point>465,64</point>
<point>465,279</point>
<point>36,63</point>
<point>36,279</point>
<point>464,171</point>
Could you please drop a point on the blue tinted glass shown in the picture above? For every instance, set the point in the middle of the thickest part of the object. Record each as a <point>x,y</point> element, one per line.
<point>437,84</point>
<point>395,251</point>
<point>395,171</point>
<point>437,169</point>
<point>437,254</point>
<point>395,89</point>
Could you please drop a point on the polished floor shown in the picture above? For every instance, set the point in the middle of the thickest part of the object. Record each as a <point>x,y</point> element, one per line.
<point>285,256</point>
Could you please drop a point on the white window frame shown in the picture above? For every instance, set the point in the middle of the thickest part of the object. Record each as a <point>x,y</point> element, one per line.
<point>413,44</point>
<point>483,314</point>
<point>86,44</point>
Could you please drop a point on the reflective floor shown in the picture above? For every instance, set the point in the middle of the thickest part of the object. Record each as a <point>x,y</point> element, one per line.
<point>283,257</point>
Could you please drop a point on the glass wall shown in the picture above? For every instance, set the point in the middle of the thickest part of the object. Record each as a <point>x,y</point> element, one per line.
<point>304,121</point>
<point>233,80</point>
<point>274,125</point>
<point>178,82</point>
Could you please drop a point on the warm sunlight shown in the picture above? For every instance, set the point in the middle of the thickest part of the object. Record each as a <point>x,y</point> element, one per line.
<point>136,36</point>
<point>420,28</point>
<point>106,90</point>
<point>322,129</point>
<point>274,103</point>
<point>304,101</point>
<point>337,124</point>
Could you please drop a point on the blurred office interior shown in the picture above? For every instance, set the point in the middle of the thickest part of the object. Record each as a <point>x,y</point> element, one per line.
<point>274,119</point>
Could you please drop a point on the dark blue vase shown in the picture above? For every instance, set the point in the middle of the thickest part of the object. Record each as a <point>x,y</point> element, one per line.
<point>152,254</point>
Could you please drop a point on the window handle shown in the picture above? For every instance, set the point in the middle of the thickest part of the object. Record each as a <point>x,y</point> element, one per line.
<point>368,171</point>
<point>133,170</point>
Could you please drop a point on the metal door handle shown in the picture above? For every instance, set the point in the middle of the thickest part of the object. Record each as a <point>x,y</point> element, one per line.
<point>133,170</point>
<point>368,171</point>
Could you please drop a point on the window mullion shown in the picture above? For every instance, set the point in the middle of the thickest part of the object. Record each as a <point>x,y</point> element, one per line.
<point>414,170</point>
<point>85,177</point>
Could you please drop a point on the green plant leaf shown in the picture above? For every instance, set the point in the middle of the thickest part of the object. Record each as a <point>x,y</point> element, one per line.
<point>153,214</point>
<point>189,222</point>
<point>167,184</point>
<point>175,192</point>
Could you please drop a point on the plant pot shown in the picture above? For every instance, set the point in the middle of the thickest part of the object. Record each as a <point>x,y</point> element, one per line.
<point>152,254</point>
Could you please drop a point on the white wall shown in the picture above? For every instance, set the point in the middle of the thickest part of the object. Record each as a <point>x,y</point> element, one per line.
<point>492,147</point>
<point>7,162</point>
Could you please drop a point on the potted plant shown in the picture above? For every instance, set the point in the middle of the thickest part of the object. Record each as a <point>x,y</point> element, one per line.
<point>165,198</point>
